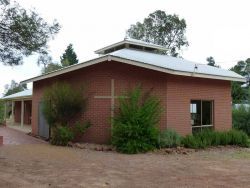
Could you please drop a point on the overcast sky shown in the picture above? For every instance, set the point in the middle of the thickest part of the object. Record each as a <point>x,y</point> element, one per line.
<point>218,28</point>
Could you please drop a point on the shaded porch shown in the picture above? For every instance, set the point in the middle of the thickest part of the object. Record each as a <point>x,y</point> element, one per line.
<point>18,110</point>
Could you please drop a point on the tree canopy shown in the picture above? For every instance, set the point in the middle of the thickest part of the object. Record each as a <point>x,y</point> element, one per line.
<point>243,68</point>
<point>22,33</point>
<point>69,57</point>
<point>211,62</point>
<point>14,87</point>
<point>239,93</point>
<point>162,29</point>
<point>51,67</point>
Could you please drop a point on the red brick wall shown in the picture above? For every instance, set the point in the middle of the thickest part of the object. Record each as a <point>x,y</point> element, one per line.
<point>181,90</point>
<point>175,97</point>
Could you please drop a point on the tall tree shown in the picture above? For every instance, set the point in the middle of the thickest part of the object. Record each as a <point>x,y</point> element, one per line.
<point>211,62</point>
<point>48,64</point>
<point>22,33</point>
<point>239,93</point>
<point>243,68</point>
<point>51,67</point>
<point>69,57</point>
<point>14,87</point>
<point>162,29</point>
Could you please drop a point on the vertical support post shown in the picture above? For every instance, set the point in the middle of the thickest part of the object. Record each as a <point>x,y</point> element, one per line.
<point>22,112</point>
<point>5,110</point>
<point>12,112</point>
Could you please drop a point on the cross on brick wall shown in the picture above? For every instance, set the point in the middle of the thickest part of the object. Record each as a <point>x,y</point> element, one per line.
<point>112,97</point>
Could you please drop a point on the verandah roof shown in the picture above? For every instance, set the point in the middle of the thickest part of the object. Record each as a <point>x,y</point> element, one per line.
<point>26,94</point>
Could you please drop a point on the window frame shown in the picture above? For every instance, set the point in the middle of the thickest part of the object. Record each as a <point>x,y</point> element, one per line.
<point>212,114</point>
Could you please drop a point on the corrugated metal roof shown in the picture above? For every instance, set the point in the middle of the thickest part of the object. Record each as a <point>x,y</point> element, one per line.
<point>173,63</point>
<point>158,62</point>
<point>19,95</point>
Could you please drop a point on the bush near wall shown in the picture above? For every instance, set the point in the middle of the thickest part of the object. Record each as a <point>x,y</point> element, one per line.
<point>62,106</point>
<point>135,126</point>
<point>169,138</point>
<point>241,119</point>
<point>205,139</point>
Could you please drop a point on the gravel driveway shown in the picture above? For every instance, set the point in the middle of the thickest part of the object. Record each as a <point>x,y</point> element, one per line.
<point>43,165</point>
<point>15,137</point>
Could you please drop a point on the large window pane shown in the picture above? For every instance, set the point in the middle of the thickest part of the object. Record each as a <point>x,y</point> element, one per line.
<point>201,115</point>
<point>207,113</point>
<point>195,110</point>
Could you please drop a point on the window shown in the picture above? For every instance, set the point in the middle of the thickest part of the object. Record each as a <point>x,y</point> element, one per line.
<point>201,114</point>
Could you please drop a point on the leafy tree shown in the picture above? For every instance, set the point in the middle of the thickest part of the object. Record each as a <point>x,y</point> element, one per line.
<point>14,87</point>
<point>48,64</point>
<point>69,57</point>
<point>22,32</point>
<point>162,29</point>
<point>239,93</point>
<point>211,62</point>
<point>239,68</point>
<point>51,67</point>
<point>44,60</point>
<point>243,68</point>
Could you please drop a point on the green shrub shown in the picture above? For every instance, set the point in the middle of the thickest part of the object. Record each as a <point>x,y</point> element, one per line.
<point>79,128</point>
<point>62,105</point>
<point>190,141</point>
<point>239,138</point>
<point>216,141</point>
<point>135,126</point>
<point>196,141</point>
<point>241,119</point>
<point>205,139</point>
<point>61,136</point>
<point>169,138</point>
<point>225,138</point>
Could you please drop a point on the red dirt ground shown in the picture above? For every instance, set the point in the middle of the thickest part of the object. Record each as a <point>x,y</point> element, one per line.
<point>43,165</point>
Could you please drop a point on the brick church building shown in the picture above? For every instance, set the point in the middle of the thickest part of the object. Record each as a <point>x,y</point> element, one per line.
<point>193,95</point>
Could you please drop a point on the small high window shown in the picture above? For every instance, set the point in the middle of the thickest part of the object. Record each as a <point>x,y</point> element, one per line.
<point>201,114</point>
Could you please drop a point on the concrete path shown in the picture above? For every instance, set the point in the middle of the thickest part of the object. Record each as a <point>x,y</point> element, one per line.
<point>15,137</point>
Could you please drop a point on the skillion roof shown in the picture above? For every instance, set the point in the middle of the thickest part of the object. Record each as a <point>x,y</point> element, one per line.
<point>20,95</point>
<point>149,60</point>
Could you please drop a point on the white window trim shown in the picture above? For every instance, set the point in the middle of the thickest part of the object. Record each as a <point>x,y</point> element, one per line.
<point>200,126</point>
